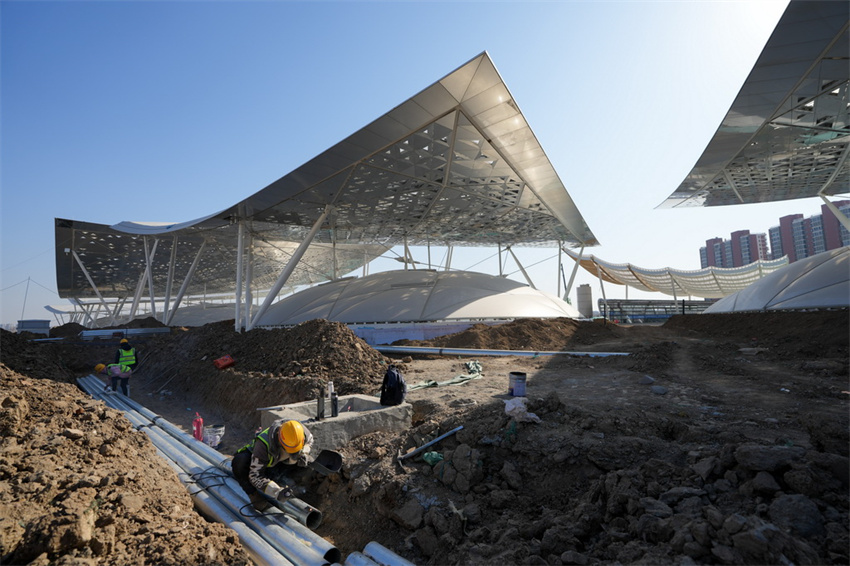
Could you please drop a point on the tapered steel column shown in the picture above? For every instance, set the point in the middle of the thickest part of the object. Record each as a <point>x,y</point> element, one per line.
<point>290,266</point>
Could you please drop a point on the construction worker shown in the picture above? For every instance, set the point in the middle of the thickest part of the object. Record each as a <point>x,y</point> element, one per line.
<point>284,442</point>
<point>126,354</point>
<point>117,372</point>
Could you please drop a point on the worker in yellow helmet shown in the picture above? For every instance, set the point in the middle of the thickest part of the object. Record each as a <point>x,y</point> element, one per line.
<point>117,373</point>
<point>126,354</point>
<point>285,443</point>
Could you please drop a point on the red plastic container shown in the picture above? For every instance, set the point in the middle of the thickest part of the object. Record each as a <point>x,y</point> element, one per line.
<point>224,362</point>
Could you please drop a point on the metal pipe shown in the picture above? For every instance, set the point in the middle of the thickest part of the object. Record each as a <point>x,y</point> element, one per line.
<point>359,559</point>
<point>384,556</point>
<point>304,513</point>
<point>474,352</point>
<point>427,444</point>
<point>301,511</point>
<point>256,545</point>
<point>292,538</point>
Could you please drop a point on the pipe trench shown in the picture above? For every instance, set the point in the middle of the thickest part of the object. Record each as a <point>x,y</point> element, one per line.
<point>281,536</point>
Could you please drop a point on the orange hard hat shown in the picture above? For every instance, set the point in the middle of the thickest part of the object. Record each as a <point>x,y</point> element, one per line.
<point>99,368</point>
<point>124,341</point>
<point>291,436</point>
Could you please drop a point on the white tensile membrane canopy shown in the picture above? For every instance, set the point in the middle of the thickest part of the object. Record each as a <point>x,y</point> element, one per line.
<point>417,296</point>
<point>819,281</point>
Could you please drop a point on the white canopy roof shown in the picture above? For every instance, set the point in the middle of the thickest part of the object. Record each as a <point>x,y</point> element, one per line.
<point>708,283</point>
<point>417,296</point>
<point>819,281</point>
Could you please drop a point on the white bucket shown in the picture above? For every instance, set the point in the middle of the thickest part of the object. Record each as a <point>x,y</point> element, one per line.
<point>516,384</point>
<point>213,435</point>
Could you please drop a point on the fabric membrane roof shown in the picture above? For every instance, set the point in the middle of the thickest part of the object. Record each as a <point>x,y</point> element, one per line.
<point>818,281</point>
<point>708,283</point>
<point>417,296</point>
<point>787,134</point>
<point>457,164</point>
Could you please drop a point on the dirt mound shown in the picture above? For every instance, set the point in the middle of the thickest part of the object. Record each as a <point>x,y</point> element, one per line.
<point>716,441</point>
<point>790,331</point>
<point>557,334</point>
<point>35,359</point>
<point>146,322</point>
<point>68,330</point>
<point>78,483</point>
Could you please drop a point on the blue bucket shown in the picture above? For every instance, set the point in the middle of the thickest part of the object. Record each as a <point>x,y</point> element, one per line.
<point>516,384</point>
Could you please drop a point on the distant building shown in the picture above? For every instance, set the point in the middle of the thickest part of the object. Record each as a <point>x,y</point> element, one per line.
<point>742,248</point>
<point>796,236</point>
<point>799,237</point>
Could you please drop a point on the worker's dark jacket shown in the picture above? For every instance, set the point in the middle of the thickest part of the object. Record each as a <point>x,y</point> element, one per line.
<point>266,452</point>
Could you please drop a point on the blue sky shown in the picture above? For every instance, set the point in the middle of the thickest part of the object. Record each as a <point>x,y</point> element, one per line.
<point>168,111</point>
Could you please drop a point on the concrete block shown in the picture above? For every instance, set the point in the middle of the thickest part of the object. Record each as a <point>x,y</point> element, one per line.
<point>358,415</point>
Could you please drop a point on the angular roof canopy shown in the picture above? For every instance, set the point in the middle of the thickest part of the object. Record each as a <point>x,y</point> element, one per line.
<point>787,134</point>
<point>456,164</point>
<point>708,283</point>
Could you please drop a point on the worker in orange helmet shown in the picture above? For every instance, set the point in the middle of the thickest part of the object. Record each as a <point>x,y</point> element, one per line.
<point>284,442</point>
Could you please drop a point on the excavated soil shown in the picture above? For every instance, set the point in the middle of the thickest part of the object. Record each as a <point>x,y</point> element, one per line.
<point>719,439</point>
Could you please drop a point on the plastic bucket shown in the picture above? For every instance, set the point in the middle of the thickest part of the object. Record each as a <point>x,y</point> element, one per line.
<point>516,384</point>
<point>213,435</point>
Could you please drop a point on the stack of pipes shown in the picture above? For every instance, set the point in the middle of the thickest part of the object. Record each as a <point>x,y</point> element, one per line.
<point>277,537</point>
<point>274,538</point>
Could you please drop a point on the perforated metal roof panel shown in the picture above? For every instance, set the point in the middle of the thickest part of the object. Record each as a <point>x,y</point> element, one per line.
<point>455,164</point>
<point>787,134</point>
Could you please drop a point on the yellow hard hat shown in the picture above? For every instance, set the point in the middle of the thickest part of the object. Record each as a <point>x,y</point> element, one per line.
<point>292,436</point>
<point>124,341</point>
<point>99,368</point>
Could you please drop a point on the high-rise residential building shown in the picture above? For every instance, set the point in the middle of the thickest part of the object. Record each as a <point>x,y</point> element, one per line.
<point>741,249</point>
<point>795,236</point>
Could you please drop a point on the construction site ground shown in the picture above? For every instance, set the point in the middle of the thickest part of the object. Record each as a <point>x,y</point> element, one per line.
<point>719,439</point>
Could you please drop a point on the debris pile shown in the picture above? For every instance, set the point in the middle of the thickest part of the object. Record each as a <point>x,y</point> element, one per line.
<point>78,483</point>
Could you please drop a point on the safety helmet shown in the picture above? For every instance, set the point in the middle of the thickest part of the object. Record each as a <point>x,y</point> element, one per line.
<point>99,368</point>
<point>291,436</point>
<point>124,341</point>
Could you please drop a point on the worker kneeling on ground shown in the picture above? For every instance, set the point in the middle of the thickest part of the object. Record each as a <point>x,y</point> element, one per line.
<point>117,372</point>
<point>284,442</point>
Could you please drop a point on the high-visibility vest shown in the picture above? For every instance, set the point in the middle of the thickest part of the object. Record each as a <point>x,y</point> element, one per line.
<point>264,438</point>
<point>127,357</point>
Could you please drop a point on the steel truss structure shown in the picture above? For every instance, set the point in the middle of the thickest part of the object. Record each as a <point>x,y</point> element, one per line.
<point>787,134</point>
<point>455,165</point>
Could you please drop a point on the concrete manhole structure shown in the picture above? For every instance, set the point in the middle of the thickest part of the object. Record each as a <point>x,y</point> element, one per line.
<point>358,415</point>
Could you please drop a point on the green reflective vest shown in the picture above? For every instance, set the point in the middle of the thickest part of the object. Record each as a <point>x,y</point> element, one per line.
<point>264,438</point>
<point>127,357</point>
